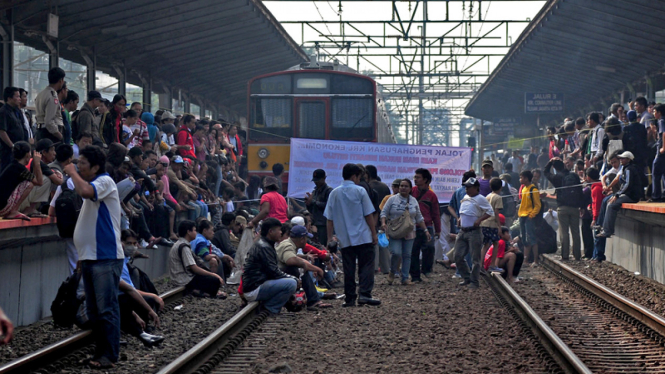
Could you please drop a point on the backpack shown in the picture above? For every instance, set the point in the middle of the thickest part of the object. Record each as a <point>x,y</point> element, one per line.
<point>66,304</point>
<point>67,209</point>
<point>74,125</point>
<point>141,280</point>
<point>544,207</point>
<point>509,204</point>
<point>571,192</point>
<point>545,237</point>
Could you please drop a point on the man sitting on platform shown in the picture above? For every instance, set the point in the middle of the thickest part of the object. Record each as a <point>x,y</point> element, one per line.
<point>18,181</point>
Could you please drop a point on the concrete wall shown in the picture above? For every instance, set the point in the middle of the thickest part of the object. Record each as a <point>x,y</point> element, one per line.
<point>33,264</point>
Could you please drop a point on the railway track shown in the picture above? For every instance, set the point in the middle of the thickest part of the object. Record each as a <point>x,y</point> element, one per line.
<point>232,347</point>
<point>583,326</point>
<point>44,358</point>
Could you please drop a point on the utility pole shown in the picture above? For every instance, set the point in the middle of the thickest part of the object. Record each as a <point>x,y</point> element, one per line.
<point>421,77</point>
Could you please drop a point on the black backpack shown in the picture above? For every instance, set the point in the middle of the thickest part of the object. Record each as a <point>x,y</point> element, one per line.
<point>571,192</point>
<point>66,304</point>
<point>544,207</point>
<point>141,280</point>
<point>545,237</point>
<point>67,209</point>
<point>509,204</point>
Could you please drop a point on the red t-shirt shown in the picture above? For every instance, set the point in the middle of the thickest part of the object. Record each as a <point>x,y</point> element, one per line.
<point>278,207</point>
<point>185,138</point>
<point>500,254</point>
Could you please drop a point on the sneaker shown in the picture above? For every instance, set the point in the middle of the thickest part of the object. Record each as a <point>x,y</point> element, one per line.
<point>391,278</point>
<point>456,276</point>
<point>494,269</point>
<point>406,282</point>
<point>473,286</point>
<point>418,280</point>
<point>143,243</point>
<point>483,271</point>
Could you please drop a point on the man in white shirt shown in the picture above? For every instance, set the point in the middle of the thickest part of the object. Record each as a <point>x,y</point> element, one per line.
<point>474,209</point>
<point>641,106</point>
<point>97,240</point>
<point>515,160</point>
<point>597,135</point>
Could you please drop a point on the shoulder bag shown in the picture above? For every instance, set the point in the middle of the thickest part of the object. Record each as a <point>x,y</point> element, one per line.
<point>401,226</point>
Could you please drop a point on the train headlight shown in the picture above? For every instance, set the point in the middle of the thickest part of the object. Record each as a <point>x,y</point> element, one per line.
<point>263,153</point>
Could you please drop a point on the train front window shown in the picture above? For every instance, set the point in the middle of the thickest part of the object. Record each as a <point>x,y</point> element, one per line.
<point>352,118</point>
<point>312,120</point>
<point>271,117</point>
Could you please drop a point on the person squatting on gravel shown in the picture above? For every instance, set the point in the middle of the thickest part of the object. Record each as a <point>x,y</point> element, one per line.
<point>474,209</point>
<point>184,270</point>
<point>400,247</point>
<point>294,237</point>
<point>262,280</point>
<point>507,255</point>
<point>350,216</point>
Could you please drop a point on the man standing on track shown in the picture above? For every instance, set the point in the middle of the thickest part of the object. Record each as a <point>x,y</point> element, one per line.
<point>429,207</point>
<point>350,215</point>
<point>97,239</point>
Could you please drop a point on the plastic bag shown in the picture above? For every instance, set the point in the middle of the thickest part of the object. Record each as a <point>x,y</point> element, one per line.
<point>246,242</point>
<point>552,219</point>
<point>383,239</point>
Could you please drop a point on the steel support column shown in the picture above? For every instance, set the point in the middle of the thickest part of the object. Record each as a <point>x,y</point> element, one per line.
<point>166,99</point>
<point>121,71</point>
<point>147,93</point>
<point>7,34</point>
<point>91,69</point>
<point>53,52</point>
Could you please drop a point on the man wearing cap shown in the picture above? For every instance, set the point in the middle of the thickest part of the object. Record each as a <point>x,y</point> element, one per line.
<point>474,209</point>
<point>85,121</point>
<point>317,201</point>
<point>395,188</point>
<point>290,263</point>
<point>49,112</point>
<point>41,194</point>
<point>487,169</point>
<point>631,190</point>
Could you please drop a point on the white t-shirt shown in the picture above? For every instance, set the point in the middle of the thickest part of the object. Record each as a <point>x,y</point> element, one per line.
<point>229,206</point>
<point>75,147</point>
<point>97,233</point>
<point>473,208</point>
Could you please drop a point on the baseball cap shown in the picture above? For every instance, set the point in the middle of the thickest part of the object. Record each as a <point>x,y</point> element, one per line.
<point>241,220</point>
<point>318,175</point>
<point>488,163</point>
<point>177,160</point>
<point>167,115</point>
<point>92,95</point>
<point>396,182</point>
<point>299,231</point>
<point>43,145</point>
<point>627,154</point>
<point>298,221</point>
<point>471,182</point>
<point>506,177</point>
<point>631,115</point>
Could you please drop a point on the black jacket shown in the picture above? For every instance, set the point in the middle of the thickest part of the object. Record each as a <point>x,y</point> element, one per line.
<point>261,265</point>
<point>635,141</point>
<point>318,204</point>
<point>135,171</point>
<point>222,240</point>
<point>557,182</point>
<point>631,182</point>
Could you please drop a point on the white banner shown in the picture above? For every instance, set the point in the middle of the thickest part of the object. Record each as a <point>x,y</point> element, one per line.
<point>447,164</point>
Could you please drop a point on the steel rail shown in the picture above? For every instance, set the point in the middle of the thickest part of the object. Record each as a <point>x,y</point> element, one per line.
<point>208,347</point>
<point>557,349</point>
<point>53,352</point>
<point>631,308</point>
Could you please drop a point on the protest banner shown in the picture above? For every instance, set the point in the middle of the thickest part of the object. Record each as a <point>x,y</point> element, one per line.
<point>447,164</point>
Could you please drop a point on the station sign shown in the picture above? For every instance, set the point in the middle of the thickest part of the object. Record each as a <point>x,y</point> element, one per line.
<point>543,102</point>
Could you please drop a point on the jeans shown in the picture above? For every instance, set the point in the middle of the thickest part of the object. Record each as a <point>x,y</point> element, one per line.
<point>364,254</point>
<point>599,248</point>
<point>381,259</point>
<point>611,213</point>
<point>469,242</point>
<point>307,284</point>
<point>657,177</point>
<point>587,237</point>
<point>72,255</point>
<point>101,279</point>
<point>421,244</point>
<point>322,231</point>
<point>400,249</point>
<point>276,292</point>
<point>569,224</point>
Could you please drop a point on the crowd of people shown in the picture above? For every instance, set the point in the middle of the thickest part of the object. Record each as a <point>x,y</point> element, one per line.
<point>119,179</point>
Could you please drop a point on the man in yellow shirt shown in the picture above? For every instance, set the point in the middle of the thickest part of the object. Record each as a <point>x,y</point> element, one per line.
<point>529,210</point>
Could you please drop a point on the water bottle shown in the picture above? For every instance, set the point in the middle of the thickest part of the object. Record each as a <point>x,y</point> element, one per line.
<point>383,239</point>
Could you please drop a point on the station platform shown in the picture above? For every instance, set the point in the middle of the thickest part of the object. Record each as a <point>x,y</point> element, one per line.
<point>33,264</point>
<point>638,244</point>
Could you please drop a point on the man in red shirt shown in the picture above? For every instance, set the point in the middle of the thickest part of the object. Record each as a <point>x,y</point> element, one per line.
<point>429,207</point>
<point>591,175</point>
<point>185,137</point>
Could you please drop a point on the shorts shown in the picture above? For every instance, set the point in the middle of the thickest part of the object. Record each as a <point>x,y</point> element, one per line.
<point>527,231</point>
<point>490,235</point>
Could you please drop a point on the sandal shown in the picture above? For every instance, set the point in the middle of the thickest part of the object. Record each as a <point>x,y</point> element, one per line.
<point>319,305</point>
<point>37,215</point>
<point>19,216</point>
<point>102,363</point>
<point>221,295</point>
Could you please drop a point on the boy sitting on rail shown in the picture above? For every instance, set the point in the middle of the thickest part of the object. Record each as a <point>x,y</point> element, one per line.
<point>508,255</point>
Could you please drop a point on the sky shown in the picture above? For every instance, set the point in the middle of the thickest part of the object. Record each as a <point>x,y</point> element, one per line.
<point>475,63</point>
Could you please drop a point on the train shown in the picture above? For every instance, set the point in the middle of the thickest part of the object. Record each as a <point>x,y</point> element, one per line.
<point>314,100</point>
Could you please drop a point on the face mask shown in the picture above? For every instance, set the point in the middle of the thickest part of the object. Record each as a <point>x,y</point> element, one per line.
<point>130,250</point>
